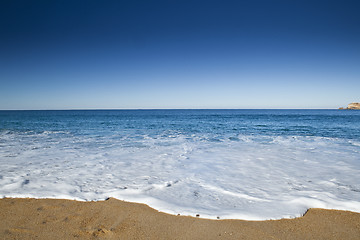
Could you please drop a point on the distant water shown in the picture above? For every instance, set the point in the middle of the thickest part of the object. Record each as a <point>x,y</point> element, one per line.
<point>247,164</point>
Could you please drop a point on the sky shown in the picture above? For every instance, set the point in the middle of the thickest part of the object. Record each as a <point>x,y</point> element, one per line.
<point>179,54</point>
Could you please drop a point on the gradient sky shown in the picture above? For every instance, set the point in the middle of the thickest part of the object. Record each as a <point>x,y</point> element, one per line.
<point>179,54</point>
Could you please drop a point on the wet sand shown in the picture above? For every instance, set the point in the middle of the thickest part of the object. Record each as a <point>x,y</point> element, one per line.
<point>115,219</point>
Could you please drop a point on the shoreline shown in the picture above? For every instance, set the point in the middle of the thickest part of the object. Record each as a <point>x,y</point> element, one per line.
<point>27,218</point>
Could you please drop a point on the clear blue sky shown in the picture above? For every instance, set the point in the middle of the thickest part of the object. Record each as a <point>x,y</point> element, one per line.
<point>179,54</point>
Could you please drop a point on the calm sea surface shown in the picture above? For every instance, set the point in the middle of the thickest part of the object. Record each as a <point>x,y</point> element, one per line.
<point>249,164</point>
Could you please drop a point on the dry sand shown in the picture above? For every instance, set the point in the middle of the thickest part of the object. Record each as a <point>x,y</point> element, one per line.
<point>114,219</point>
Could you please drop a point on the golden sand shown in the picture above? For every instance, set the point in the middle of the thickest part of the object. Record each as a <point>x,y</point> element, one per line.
<point>115,219</point>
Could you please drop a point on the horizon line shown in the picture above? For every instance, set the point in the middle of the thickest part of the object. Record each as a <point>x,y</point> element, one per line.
<point>99,109</point>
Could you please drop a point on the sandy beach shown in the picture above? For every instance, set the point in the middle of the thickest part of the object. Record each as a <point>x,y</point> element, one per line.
<point>115,219</point>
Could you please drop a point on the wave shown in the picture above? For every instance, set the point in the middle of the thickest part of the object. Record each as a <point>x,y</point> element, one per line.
<point>252,177</point>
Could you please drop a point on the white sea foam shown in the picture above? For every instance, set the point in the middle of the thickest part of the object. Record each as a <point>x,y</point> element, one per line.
<point>245,177</point>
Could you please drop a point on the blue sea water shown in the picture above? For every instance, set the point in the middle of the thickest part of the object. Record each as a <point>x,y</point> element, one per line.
<point>321,123</point>
<point>249,164</point>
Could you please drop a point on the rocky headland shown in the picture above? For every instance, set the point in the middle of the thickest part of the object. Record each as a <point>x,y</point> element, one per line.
<point>352,106</point>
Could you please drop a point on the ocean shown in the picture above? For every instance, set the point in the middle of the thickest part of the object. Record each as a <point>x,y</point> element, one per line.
<point>238,164</point>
